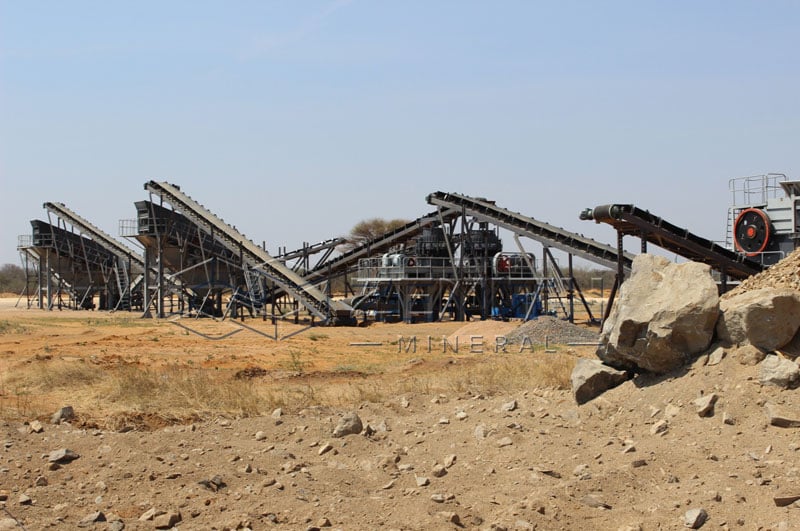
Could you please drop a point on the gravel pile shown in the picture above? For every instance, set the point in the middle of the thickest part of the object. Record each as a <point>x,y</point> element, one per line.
<point>554,331</point>
<point>784,274</point>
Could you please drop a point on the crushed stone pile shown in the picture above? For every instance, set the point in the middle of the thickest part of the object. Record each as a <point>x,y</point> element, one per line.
<point>554,331</point>
<point>784,274</point>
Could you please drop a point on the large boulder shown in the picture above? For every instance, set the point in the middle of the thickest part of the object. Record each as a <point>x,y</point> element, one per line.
<point>664,315</point>
<point>766,318</point>
<point>591,378</point>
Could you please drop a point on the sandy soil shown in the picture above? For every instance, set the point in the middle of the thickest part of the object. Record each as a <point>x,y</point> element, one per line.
<point>473,455</point>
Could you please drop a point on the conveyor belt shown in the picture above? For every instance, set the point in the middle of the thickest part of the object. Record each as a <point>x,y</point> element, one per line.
<point>100,237</point>
<point>314,300</point>
<point>544,233</point>
<point>628,219</point>
<point>380,244</point>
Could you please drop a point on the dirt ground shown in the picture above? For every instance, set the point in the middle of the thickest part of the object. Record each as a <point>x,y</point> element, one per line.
<point>237,432</point>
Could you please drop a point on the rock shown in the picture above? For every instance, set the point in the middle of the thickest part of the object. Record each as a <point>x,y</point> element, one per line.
<point>167,520</point>
<point>778,371</point>
<point>422,481</point>
<point>350,424</point>
<point>261,436</point>
<point>671,411</point>
<point>65,414</point>
<point>451,517</point>
<point>62,456</point>
<point>716,356</point>
<point>35,427</point>
<point>786,500</point>
<point>277,413</point>
<point>40,481</point>
<point>767,318</point>
<point>728,419</point>
<point>438,498</point>
<point>659,427</point>
<point>780,417</point>
<point>461,415</point>
<point>450,460</point>
<point>509,406</point>
<point>591,378</point>
<point>665,314</point>
<point>24,499</point>
<point>116,525</point>
<point>438,471</point>
<point>480,432</point>
<point>749,355</point>
<point>148,515</point>
<point>593,500</point>
<point>91,518</point>
<point>323,522</point>
<point>695,518</point>
<point>505,441</point>
<point>705,405</point>
<point>325,448</point>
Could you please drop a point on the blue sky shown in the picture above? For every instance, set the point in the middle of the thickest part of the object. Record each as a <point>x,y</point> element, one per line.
<point>295,120</point>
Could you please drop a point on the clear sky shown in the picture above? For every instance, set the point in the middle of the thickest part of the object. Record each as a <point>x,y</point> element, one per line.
<point>294,120</point>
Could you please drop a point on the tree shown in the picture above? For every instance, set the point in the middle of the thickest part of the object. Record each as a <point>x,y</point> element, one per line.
<point>369,229</point>
<point>12,279</point>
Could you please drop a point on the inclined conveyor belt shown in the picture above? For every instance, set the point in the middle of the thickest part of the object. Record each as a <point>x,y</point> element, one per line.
<point>382,243</point>
<point>314,300</point>
<point>544,233</point>
<point>628,219</point>
<point>100,237</point>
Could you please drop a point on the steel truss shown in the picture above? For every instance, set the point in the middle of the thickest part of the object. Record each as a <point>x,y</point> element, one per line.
<point>222,273</point>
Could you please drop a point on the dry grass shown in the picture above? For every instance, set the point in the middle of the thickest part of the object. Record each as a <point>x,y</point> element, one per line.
<point>126,396</point>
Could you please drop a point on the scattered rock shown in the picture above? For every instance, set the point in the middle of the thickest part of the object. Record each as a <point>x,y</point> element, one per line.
<point>778,371</point>
<point>167,520</point>
<point>781,417</point>
<point>767,318</point>
<point>24,499</point>
<point>450,460</point>
<point>91,519</point>
<point>35,427</point>
<point>505,441</point>
<point>509,406</point>
<point>591,378</point>
<point>659,427</point>
<point>783,501</point>
<point>422,481</point>
<point>261,436</point>
<point>62,456</point>
<point>695,518</point>
<point>438,471</point>
<point>325,448</point>
<point>350,424</point>
<point>593,500</point>
<point>749,355</point>
<point>65,414</point>
<point>716,356</point>
<point>657,324</point>
<point>705,405</point>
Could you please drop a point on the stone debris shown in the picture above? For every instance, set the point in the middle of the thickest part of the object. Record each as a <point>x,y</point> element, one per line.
<point>509,406</point>
<point>594,501</point>
<point>35,427</point>
<point>62,456</point>
<point>64,414</point>
<point>705,405</point>
<point>781,417</point>
<point>695,518</point>
<point>167,520</point>
<point>92,518</point>
<point>778,371</point>
<point>548,330</point>
<point>590,378</point>
<point>767,318</point>
<point>260,436</point>
<point>349,424</point>
<point>657,325</point>
<point>786,500</point>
